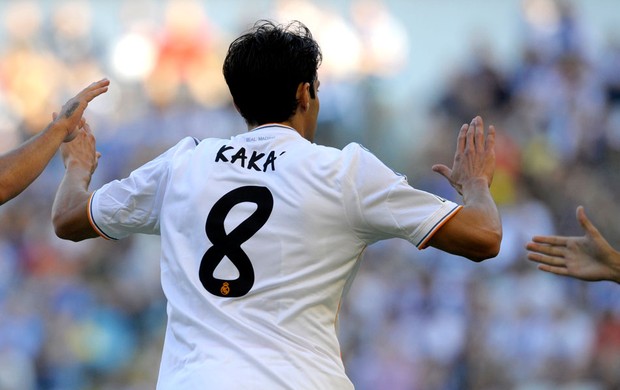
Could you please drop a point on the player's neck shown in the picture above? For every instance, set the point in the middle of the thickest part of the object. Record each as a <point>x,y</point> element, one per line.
<point>296,125</point>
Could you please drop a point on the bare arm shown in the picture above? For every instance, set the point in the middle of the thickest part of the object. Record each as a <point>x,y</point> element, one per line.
<point>69,212</point>
<point>589,257</point>
<point>474,232</point>
<point>21,166</point>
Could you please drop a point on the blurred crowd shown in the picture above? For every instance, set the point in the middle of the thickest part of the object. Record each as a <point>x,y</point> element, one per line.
<point>91,315</point>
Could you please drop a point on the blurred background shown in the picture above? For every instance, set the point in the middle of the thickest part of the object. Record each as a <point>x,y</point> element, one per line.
<point>400,77</point>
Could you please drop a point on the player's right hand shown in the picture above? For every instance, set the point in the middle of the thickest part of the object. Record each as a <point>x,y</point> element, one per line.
<point>81,152</point>
<point>70,115</point>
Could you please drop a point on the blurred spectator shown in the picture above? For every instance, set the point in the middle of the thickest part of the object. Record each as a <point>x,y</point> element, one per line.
<point>28,69</point>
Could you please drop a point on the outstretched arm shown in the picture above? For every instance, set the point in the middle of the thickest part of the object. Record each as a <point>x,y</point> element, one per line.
<point>475,231</point>
<point>21,166</point>
<point>589,257</point>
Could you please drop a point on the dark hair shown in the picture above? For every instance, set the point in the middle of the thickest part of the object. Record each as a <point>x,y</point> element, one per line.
<point>264,67</point>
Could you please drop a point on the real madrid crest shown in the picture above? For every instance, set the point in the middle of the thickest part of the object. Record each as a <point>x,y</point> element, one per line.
<point>225,289</point>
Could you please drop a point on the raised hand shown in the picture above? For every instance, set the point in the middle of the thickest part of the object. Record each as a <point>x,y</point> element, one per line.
<point>474,159</point>
<point>589,257</point>
<point>81,152</point>
<point>71,112</point>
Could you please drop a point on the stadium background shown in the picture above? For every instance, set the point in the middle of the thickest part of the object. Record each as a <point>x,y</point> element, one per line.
<point>399,77</point>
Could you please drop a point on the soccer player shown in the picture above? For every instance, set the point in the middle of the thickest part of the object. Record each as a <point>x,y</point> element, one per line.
<point>262,233</point>
<point>589,257</point>
<point>21,166</point>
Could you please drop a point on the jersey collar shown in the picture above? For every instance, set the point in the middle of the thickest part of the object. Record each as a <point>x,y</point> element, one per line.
<point>277,128</point>
<point>270,125</point>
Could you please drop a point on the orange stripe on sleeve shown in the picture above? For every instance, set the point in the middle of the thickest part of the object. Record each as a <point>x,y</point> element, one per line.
<point>424,242</point>
<point>92,221</point>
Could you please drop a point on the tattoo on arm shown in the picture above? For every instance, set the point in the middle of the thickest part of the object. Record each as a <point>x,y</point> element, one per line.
<point>72,109</point>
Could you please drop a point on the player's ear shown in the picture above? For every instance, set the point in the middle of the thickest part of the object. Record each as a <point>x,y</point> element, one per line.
<point>303,95</point>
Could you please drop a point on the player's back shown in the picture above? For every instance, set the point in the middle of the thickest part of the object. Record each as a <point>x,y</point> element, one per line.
<point>257,249</point>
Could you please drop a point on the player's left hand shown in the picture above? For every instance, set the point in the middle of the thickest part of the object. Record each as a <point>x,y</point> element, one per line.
<point>474,160</point>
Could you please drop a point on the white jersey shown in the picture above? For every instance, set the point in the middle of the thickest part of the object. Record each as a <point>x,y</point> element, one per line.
<point>261,234</point>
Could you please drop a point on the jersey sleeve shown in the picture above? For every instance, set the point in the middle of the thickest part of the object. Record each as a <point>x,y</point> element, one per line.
<point>384,205</point>
<point>133,204</point>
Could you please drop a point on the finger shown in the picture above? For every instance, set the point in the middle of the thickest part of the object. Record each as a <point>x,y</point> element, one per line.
<point>90,95</point>
<point>585,223</point>
<point>490,141</point>
<point>86,127</point>
<point>551,240</point>
<point>563,271</point>
<point>103,83</point>
<point>442,170</point>
<point>547,260</point>
<point>471,130</point>
<point>461,140</point>
<point>478,134</point>
<point>95,89</point>
<point>544,249</point>
<point>541,256</point>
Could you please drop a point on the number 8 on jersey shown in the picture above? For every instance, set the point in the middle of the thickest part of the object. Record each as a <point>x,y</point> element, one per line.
<point>229,245</point>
